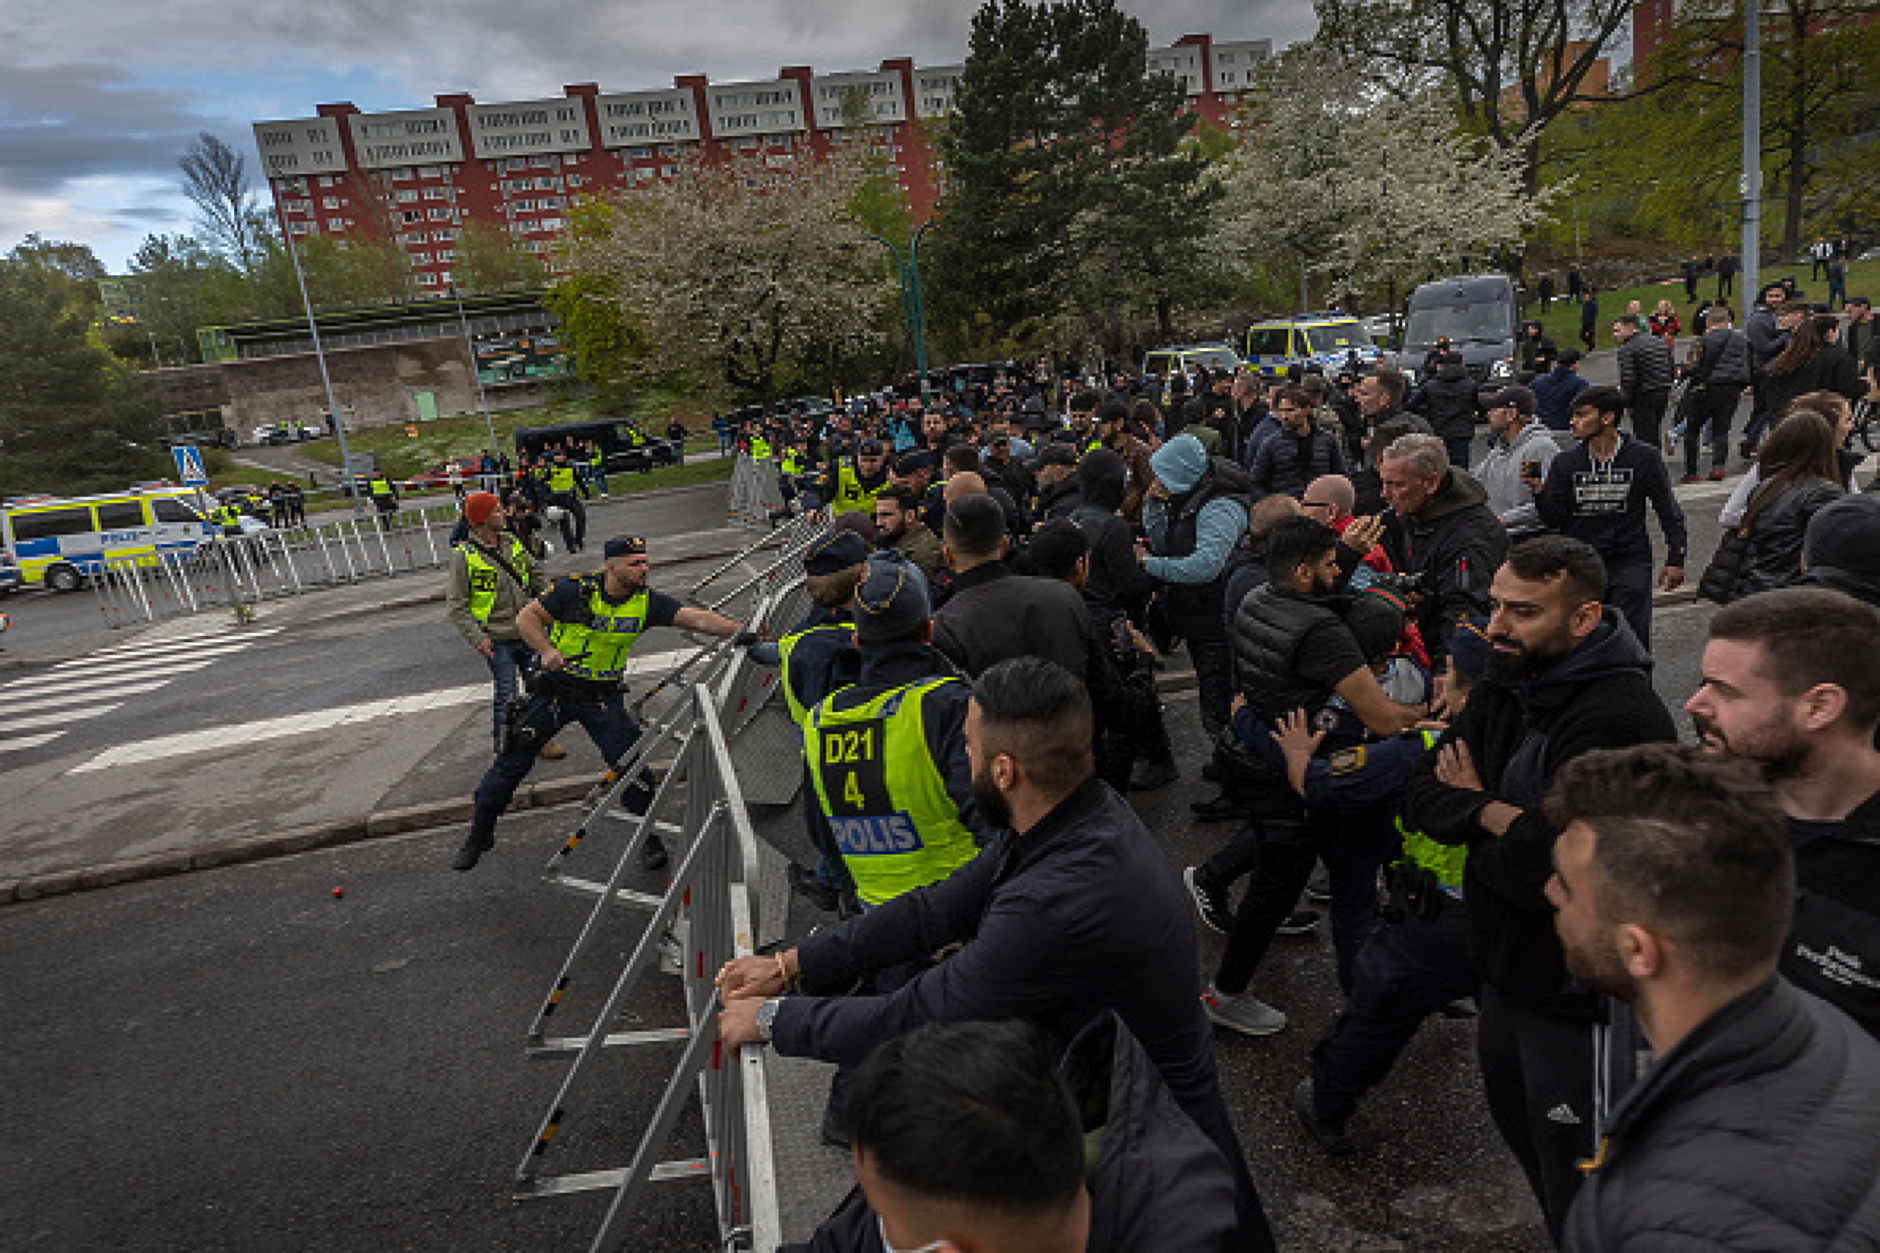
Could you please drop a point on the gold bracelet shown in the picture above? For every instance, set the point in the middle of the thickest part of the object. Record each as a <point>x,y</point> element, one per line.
<point>783,971</point>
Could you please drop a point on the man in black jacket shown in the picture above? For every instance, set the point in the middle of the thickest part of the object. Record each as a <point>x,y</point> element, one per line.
<point>1598,491</point>
<point>1301,452</point>
<point>1754,1128</point>
<point>1646,373</point>
<point>1789,682</point>
<point>965,1138</point>
<point>1446,536</point>
<point>1565,677</point>
<point>993,613</point>
<point>1449,402</point>
<point>1071,912</point>
<point>1718,378</point>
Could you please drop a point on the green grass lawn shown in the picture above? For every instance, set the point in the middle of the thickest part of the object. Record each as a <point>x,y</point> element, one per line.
<point>465,435</point>
<point>1562,322</point>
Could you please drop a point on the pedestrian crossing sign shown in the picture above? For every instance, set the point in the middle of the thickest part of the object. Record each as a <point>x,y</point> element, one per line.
<point>189,465</point>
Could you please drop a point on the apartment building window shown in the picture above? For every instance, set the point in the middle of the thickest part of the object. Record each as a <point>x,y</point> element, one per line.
<point>336,224</point>
<point>329,202</point>
<point>406,195</point>
<point>548,184</point>
<point>544,163</point>
<point>445,254</point>
<point>443,236</point>
<point>301,228</point>
<point>441,215</point>
<point>327,180</point>
<point>411,215</point>
<point>420,258</point>
<point>668,150</point>
<point>434,193</point>
<point>427,279</point>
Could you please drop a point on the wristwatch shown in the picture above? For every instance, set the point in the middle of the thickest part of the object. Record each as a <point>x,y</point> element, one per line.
<point>767,1017</point>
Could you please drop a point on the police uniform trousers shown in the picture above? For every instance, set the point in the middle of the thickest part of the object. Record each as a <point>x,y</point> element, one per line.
<point>574,519</point>
<point>1405,972</point>
<point>604,717</point>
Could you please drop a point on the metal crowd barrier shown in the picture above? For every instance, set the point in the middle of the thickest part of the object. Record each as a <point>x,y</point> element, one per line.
<point>756,491</point>
<point>278,562</point>
<point>711,901</point>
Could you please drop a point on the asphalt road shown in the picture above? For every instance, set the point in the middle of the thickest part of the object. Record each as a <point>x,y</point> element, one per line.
<point>237,1059</point>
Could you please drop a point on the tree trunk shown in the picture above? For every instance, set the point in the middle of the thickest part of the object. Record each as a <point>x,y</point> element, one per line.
<point>1795,177</point>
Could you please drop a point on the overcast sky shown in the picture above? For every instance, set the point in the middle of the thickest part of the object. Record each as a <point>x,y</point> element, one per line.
<point>98,98</point>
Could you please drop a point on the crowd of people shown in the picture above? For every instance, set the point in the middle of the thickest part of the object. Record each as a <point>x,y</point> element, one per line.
<point>1426,673</point>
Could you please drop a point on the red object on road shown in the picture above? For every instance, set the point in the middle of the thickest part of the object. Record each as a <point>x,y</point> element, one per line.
<point>338,892</point>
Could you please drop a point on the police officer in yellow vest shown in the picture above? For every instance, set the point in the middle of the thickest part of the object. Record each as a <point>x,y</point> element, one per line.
<point>228,517</point>
<point>384,495</point>
<point>887,762</point>
<point>564,487</point>
<point>850,487</point>
<point>492,576</point>
<point>597,468</point>
<point>582,632</point>
<point>1418,961</point>
<point>818,658</point>
<point>887,756</point>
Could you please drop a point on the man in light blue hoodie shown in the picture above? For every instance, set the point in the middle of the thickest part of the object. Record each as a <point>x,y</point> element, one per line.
<point>1195,511</point>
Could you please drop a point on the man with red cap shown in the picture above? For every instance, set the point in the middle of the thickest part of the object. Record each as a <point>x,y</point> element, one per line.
<point>492,576</point>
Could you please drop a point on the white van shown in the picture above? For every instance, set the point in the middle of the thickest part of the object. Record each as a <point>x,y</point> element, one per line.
<point>60,543</point>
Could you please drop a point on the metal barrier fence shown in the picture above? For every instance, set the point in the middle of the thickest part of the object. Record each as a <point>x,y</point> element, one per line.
<point>756,490</point>
<point>711,902</point>
<point>289,561</point>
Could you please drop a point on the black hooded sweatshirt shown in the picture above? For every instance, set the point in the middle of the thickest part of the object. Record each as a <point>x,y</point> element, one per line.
<point>1519,735</point>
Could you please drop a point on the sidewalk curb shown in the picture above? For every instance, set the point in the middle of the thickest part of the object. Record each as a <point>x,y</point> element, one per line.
<point>376,825</point>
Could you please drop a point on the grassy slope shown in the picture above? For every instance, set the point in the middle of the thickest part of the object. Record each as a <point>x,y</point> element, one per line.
<point>1562,322</point>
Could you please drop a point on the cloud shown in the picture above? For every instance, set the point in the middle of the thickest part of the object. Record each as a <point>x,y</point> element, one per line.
<point>89,136</point>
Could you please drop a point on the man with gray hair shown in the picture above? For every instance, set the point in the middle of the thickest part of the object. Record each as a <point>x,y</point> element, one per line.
<point>1444,537</point>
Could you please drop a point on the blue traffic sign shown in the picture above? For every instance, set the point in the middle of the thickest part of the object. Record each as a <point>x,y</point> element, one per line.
<point>189,465</point>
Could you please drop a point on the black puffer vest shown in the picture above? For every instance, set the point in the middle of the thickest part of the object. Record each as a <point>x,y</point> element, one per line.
<point>1268,627</point>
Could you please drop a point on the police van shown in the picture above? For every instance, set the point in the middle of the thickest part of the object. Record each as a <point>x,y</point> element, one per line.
<point>60,543</point>
<point>1330,340</point>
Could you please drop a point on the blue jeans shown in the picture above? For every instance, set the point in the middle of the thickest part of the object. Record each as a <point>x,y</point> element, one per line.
<point>505,665</point>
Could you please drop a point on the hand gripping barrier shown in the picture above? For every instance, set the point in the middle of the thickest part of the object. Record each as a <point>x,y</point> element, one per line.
<point>711,901</point>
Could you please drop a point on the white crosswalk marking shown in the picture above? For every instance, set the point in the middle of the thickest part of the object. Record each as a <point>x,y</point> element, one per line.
<point>88,687</point>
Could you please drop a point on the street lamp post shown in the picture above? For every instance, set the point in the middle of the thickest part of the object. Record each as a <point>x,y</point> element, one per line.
<point>483,402</point>
<point>912,312</point>
<point>326,380</point>
<point>1752,151</point>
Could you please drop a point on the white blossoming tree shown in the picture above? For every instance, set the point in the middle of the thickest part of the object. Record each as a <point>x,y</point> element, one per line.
<point>745,270</point>
<point>1361,189</point>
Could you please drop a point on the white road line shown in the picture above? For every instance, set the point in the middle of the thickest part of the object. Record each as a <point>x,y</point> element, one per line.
<point>154,638</point>
<point>160,648</point>
<point>279,728</point>
<point>63,715</point>
<point>218,739</point>
<point>159,656</point>
<point>30,741</point>
<point>103,677</point>
<point>79,698</point>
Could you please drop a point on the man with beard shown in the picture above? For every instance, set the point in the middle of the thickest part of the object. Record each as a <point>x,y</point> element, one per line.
<point>1754,1127</point>
<point>898,526</point>
<point>582,629</point>
<point>1790,682</point>
<point>1069,912</point>
<point>1565,676</point>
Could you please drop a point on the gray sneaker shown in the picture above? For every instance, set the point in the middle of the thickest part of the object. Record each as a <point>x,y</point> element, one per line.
<point>1246,1013</point>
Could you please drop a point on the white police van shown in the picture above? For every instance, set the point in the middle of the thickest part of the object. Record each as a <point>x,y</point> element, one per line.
<point>62,542</point>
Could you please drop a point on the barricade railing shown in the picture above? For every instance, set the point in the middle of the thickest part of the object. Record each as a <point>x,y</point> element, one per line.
<point>799,530</point>
<point>711,901</point>
<point>271,564</point>
<point>756,490</point>
<point>774,573</point>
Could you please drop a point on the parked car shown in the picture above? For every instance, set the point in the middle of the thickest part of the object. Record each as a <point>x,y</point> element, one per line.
<point>10,576</point>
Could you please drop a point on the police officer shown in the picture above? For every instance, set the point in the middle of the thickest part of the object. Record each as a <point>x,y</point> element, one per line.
<point>597,465</point>
<point>817,658</point>
<point>850,487</point>
<point>563,492</point>
<point>888,767</point>
<point>227,517</point>
<point>492,576</point>
<point>582,631</point>
<point>384,496</point>
<point>1417,961</point>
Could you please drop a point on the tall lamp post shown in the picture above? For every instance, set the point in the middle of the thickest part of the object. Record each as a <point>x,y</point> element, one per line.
<point>1752,152</point>
<point>463,326</point>
<point>326,380</point>
<point>911,311</point>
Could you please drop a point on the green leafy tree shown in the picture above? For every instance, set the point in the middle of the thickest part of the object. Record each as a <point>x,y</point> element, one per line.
<point>492,260</point>
<point>72,417</point>
<point>607,351</point>
<point>1076,200</point>
<point>175,282</point>
<point>1514,67</point>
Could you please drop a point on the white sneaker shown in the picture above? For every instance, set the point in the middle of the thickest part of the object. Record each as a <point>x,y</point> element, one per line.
<point>1246,1013</point>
